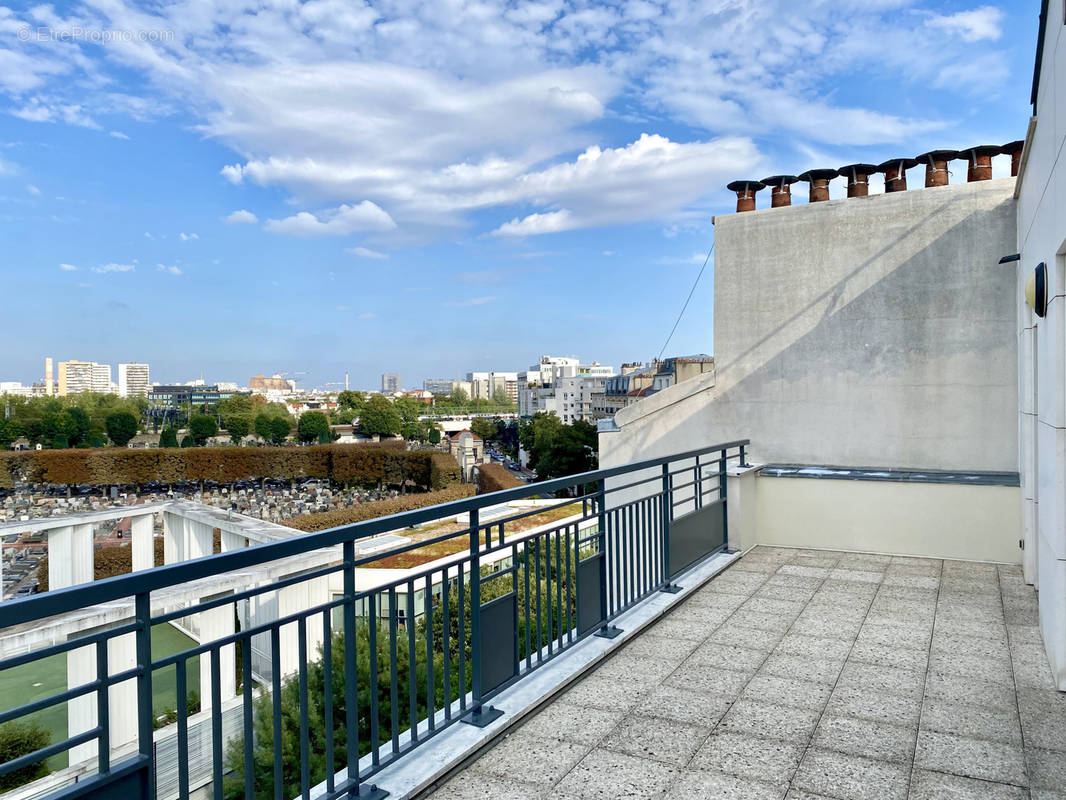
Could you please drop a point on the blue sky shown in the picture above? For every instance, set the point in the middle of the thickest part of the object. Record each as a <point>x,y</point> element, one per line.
<point>225,188</point>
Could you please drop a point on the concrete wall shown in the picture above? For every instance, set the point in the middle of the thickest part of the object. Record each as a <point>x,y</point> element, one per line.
<point>933,520</point>
<point>874,331</point>
<point>1042,346</point>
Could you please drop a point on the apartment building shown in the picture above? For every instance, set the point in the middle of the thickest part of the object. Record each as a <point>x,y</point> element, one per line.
<point>83,376</point>
<point>133,380</point>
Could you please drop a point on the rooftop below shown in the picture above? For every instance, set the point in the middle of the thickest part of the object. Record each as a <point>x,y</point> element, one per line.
<point>806,674</point>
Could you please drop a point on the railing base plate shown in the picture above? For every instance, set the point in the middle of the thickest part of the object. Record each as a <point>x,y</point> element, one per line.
<point>482,717</point>
<point>608,632</point>
<point>671,588</point>
<point>371,792</point>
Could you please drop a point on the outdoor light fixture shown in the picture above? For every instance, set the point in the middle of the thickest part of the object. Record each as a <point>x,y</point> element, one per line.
<point>1036,290</point>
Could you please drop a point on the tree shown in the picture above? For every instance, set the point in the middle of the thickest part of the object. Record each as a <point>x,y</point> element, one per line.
<point>121,427</point>
<point>280,428</point>
<point>188,441</point>
<point>350,405</point>
<point>19,738</point>
<point>10,430</point>
<point>202,427</point>
<point>168,438</point>
<point>483,427</point>
<point>312,427</point>
<point>380,418</point>
<point>238,427</point>
<point>79,426</point>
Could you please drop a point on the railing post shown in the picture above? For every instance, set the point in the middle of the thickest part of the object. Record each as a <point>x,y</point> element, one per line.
<point>145,718</point>
<point>606,630</point>
<point>722,494</point>
<point>479,716</point>
<point>667,585</point>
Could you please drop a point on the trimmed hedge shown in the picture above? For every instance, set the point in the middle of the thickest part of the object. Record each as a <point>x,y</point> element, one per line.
<point>378,508</point>
<point>362,464</point>
<point>493,477</point>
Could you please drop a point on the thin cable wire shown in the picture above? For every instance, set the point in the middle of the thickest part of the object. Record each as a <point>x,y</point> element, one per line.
<point>691,292</point>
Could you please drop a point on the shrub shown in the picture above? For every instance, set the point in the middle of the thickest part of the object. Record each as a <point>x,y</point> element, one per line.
<point>168,438</point>
<point>379,508</point>
<point>18,738</point>
<point>493,478</point>
<point>121,427</point>
<point>202,427</point>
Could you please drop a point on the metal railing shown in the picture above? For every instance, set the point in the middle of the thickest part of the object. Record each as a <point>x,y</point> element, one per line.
<point>360,677</point>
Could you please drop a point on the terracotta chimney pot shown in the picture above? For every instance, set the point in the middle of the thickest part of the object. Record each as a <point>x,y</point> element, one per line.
<point>896,173</point>
<point>746,193</point>
<point>936,166</point>
<point>858,176</point>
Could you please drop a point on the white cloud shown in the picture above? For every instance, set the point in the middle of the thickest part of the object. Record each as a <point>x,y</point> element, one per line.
<point>33,190</point>
<point>147,235</point>
<point>114,268</point>
<point>342,221</point>
<point>552,222</point>
<point>975,25</point>
<point>68,267</point>
<point>242,216</point>
<point>169,270</point>
<point>118,134</point>
<point>366,252</point>
<point>187,237</point>
<point>473,301</point>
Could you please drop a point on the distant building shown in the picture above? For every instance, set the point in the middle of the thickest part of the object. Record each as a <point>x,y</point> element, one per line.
<point>485,385</point>
<point>177,395</point>
<point>14,387</point>
<point>439,385</point>
<point>632,386</point>
<point>564,386</point>
<point>49,384</point>
<point>391,382</point>
<point>260,383</point>
<point>468,449</point>
<point>83,376</point>
<point>133,380</point>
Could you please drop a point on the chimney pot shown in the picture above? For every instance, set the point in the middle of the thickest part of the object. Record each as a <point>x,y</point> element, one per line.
<point>780,189</point>
<point>980,161</point>
<point>1014,150</point>
<point>819,181</point>
<point>936,166</point>
<point>858,176</point>
<point>746,193</point>
<point>896,173</point>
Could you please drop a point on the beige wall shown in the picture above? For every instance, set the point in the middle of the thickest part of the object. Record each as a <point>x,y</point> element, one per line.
<point>935,520</point>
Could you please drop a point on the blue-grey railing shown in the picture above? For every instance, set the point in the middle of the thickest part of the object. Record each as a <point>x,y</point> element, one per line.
<point>414,655</point>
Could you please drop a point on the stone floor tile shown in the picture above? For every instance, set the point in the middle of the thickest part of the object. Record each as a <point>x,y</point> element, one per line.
<point>674,627</point>
<point>835,586</point>
<point>651,644</point>
<point>921,581</point>
<point>994,670</point>
<point>573,722</point>
<point>601,691</point>
<point>798,644</point>
<point>896,633</point>
<point>701,785</point>
<point>825,625</point>
<point>1047,768</point>
<point>888,655</point>
<point>884,605</point>
<point>811,559</point>
<point>856,575</point>
<point>1043,718</point>
<point>799,794</point>
<point>784,608</point>
<point>851,777</point>
<point>972,721</point>
<point>607,775</point>
<point>727,656</point>
<point>805,570</point>
<point>968,690</point>
<point>841,609</point>
<point>913,593</point>
<point>973,569</point>
<point>757,718</point>
<point>968,614</point>
<point>769,622</point>
<point>870,561</point>
<point>767,567</point>
<point>1031,667</point>
<point>958,644</point>
<point>787,692</point>
<point>918,567</point>
<point>863,737</point>
<point>631,666</point>
<point>659,739</point>
<point>1025,634</point>
<point>1026,614</point>
<point>1047,794</point>
<point>471,786</point>
<point>792,578</point>
<point>968,627</point>
<point>777,591</point>
<point>535,759</point>
<point>815,670</point>
<point>694,708</point>
<point>698,678</point>
<point>732,633</point>
<point>971,758</point>
<point>769,760</point>
<point>886,680</point>
<point>861,703</point>
<point>926,785</point>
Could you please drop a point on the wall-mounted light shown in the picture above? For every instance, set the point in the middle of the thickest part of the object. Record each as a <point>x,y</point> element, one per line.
<point>1036,290</point>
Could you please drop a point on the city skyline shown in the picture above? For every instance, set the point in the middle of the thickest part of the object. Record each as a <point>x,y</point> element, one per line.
<point>204,198</point>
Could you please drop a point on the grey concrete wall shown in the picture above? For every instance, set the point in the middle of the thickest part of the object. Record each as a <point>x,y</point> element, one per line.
<point>876,331</point>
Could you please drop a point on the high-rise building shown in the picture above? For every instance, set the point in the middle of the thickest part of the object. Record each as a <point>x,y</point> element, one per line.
<point>391,382</point>
<point>83,376</point>
<point>485,385</point>
<point>49,384</point>
<point>133,380</point>
<point>439,385</point>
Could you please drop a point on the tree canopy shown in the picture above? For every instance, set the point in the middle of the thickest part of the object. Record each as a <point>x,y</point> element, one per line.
<point>380,417</point>
<point>201,428</point>
<point>121,427</point>
<point>313,426</point>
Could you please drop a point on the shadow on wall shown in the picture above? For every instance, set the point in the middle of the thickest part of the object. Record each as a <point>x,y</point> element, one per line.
<point>907,360</point>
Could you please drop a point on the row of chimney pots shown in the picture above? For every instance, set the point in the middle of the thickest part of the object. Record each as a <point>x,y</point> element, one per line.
<point>979,161</point>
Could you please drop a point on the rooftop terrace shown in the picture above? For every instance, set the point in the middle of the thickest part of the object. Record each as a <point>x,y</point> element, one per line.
<point>806,674</point>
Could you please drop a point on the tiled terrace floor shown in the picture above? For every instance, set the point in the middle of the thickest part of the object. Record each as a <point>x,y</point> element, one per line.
<point>807,674</point>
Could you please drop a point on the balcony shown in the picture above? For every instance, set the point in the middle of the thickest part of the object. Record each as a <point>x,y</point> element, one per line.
<point>646,639</point>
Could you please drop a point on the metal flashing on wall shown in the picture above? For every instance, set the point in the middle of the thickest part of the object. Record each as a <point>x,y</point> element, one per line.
<point>897,475</point>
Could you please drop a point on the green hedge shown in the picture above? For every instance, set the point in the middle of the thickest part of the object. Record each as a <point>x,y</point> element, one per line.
<point>379,508</point>
<point>493,477</point>
<point>361,464</point>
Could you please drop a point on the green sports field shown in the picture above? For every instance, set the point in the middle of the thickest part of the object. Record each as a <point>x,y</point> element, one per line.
<point>48,676</point>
